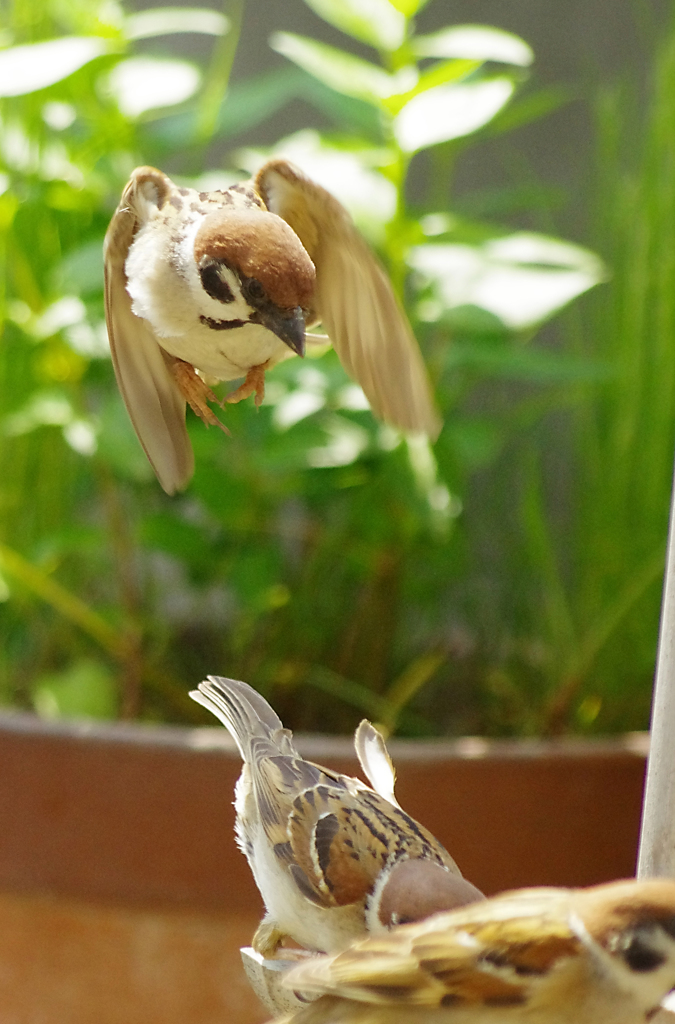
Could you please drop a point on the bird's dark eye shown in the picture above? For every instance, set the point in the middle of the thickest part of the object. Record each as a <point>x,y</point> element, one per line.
<point>253,290</point>
<point>640,956</point>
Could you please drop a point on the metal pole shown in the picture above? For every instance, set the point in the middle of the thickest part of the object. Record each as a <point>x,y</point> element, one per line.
<point>656,857</point>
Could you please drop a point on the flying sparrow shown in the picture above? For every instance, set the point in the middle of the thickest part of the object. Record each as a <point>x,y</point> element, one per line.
<point>604,955</point>
<point>221,285</point>
<point>333,859</point>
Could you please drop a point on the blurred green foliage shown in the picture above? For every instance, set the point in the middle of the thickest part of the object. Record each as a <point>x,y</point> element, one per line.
<point>604,627</point>
<point>316,554</point>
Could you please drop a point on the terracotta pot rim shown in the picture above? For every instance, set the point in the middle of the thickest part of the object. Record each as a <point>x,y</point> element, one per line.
<point>214,739</point>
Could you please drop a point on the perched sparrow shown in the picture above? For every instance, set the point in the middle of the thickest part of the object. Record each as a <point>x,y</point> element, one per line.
<point>604,955</point>
<point>222,285</point>
<point>333,858</point>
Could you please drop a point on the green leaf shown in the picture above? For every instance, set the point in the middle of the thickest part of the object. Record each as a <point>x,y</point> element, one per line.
<point>450,112</point>
<point>349,691</point>
<point>118,445</point>
<point>181,539</point>
<point>340,70</point>
<point>475,42</point>
<point>522,279</point>
<point>409,7</point>
<point>375,22</point>
<point>81,270</point>
<point>162,21</point>
<point>410,682</point>
<point>247,104</point>
<point>347,172</point>
<point>508,361</point>
<point>476,440</point>
<point>252,573</point>
<point>447,71</point>
<point>529,108</point>
<point>25,69</point>
<point>143,83</point>
<point>86,689</point>
<point>504,202</point>
<point>349,113</point>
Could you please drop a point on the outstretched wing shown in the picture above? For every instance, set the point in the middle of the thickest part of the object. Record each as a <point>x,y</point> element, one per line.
<point>355,301</point>
<point>154,403</point>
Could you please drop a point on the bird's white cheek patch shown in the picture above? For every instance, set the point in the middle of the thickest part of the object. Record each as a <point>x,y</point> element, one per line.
<point>158,292</point>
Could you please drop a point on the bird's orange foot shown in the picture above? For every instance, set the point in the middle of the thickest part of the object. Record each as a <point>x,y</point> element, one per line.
<point>254,384</point>
<point>196,393</point>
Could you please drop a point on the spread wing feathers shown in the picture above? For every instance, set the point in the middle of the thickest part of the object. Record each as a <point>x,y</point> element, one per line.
<point>155,405</point>
<point>354,300</point>
<point>374,759</point>
<point>454,959</point>
<point>254,726</point>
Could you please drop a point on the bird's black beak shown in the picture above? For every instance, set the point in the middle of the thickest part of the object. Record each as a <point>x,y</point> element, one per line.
<point>290,327</point>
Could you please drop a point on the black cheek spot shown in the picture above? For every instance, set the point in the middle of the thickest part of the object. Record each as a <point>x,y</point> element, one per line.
<point>214,284</point>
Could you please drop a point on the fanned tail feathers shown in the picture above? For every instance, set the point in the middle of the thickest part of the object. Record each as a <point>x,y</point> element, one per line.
<point>246,715</point>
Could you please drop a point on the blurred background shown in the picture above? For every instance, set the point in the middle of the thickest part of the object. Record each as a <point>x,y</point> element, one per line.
<point>517,177</point>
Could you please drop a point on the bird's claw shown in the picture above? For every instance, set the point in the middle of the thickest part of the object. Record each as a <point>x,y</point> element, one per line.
<point>196,393</point>
<point>267,939</point>
<point>253,384</point>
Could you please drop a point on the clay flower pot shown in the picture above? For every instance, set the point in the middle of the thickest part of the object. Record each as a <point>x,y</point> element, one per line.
<point>123,897</point>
